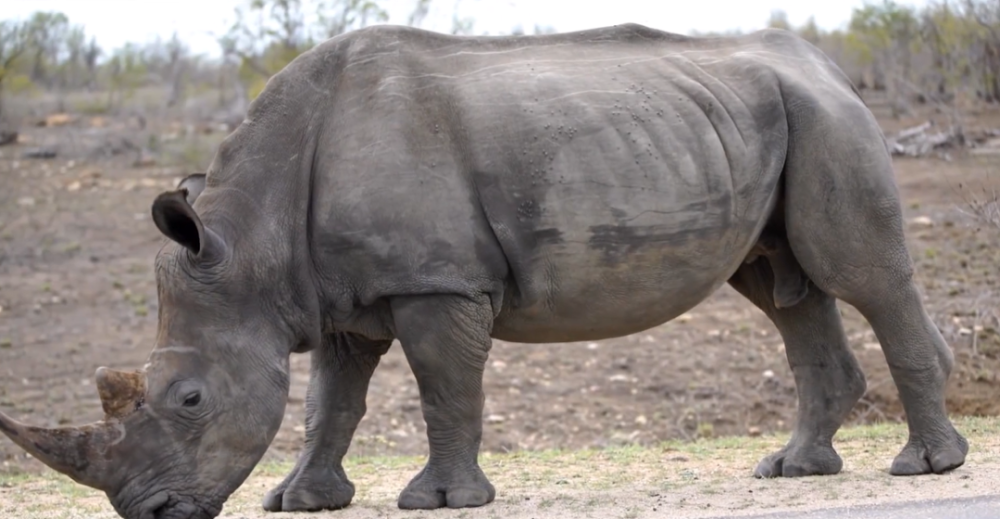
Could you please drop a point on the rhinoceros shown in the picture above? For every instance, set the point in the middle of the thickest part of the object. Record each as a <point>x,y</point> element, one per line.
<point>397,184</point>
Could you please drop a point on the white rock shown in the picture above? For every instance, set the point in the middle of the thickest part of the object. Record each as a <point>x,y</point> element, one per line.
<point>922,221</point>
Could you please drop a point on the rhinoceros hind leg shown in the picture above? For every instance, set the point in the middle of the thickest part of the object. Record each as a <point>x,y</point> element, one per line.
<point>827,376</point>
<point>447,341</point>
<point>335,403</point>
<point>844,222</point>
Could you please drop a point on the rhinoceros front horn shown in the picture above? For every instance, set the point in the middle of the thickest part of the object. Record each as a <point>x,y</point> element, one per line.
<point>84,453</point>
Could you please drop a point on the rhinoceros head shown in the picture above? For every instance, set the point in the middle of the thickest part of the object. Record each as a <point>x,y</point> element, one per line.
<point>182,434</point>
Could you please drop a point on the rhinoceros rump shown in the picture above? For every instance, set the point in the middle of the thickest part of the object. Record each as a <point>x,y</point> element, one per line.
<point>443,191</point>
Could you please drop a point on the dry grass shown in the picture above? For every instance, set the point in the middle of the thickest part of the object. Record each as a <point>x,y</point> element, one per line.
<point>982,205</point>
<point>983,202</point>
<point>685,479</point>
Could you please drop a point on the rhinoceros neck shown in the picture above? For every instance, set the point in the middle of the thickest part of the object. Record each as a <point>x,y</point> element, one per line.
<point>258,194</point>
<point>265,220</point>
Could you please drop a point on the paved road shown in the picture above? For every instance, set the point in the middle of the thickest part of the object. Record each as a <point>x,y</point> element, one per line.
<point>966,508</point>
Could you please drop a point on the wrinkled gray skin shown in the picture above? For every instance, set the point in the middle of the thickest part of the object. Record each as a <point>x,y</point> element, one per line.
<point>398,184</point>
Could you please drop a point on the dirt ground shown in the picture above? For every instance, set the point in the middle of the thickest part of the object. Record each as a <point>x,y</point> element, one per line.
<point>704,479</point>
<point>77,292</point>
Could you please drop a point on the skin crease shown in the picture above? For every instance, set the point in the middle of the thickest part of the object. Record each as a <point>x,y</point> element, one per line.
<point>444,191</point>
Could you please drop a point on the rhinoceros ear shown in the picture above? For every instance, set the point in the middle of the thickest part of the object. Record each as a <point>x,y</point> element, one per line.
<point>194,184</point>
<point>177,220</point>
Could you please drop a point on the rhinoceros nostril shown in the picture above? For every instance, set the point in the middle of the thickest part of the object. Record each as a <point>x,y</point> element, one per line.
<point>153,507</point>
<point>161,512</point>
<point>174,509</point>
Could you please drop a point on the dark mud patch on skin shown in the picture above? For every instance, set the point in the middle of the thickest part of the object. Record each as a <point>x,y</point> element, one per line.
<point>550,236</point>
<point>618,242</point>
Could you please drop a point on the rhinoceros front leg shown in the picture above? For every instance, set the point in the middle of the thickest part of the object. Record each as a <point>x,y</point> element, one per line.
<point>335,403</point>
<point>827,376</point>
<point>447,341</point>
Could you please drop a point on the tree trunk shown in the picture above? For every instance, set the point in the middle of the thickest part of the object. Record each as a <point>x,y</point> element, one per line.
<point>892,82</point>
<point>38,69</point>
<point>993,57</point>
<point>176,86</point>
<point>222,85</point>
<point>241,101</point>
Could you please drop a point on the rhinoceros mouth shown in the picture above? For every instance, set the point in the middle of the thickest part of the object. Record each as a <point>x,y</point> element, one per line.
<point>163,505</point>
<point>181,510</point>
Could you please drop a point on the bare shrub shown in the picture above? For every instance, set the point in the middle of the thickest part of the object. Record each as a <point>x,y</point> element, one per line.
<point>982,204</point>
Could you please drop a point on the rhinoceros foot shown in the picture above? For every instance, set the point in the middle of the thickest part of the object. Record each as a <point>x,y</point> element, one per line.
<point>427,491</point>
<point>309,491</point>
<point>925,455</point>
<point>794,461</point>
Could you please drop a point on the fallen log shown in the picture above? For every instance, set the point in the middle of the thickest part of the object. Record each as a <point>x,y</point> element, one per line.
<point>909,133</point>
<point>917,142</point>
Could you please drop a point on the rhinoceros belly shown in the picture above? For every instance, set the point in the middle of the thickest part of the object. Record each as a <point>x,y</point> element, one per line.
<point>619,230</point>
<point>590,278</point>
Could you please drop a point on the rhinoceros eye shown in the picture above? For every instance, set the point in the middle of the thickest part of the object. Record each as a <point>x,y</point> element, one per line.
<point>192,399</point>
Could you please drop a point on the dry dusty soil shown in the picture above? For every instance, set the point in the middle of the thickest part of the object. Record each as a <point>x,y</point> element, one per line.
<point>703,479</point>
<point>77,292</point>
